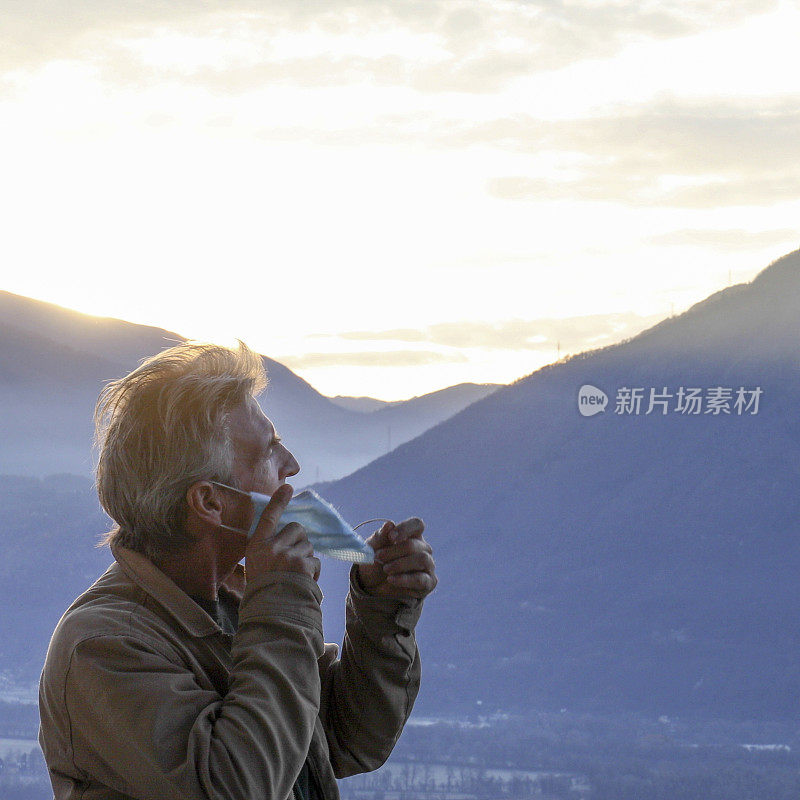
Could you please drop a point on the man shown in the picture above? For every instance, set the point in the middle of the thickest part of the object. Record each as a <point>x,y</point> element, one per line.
<point>180,675</point>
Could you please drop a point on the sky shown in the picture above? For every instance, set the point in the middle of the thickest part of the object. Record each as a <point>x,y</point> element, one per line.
<point>394,197</point>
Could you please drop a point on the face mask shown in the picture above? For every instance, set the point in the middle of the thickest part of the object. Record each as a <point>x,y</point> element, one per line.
<point>328,533</point>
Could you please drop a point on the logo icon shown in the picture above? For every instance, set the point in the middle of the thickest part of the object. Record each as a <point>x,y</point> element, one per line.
<point>591,400</point>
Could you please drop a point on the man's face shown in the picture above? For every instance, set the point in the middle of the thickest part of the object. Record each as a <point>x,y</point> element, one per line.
<point>261,462</point>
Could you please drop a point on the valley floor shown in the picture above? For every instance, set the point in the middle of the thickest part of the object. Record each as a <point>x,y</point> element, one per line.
<point>547,756</point>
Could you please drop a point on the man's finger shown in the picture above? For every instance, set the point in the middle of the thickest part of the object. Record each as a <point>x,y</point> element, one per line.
<point>402,548</point>
<point>418,584</point>
<point>292,534</point>
<point>272,513</point>
<point>381,537</point>
<point>416,562</point>
<point>407,529</point>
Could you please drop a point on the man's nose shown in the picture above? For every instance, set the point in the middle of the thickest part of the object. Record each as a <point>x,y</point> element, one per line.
<point>290,466</point>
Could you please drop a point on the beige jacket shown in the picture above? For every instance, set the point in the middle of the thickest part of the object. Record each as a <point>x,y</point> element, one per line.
<point>144,696</point>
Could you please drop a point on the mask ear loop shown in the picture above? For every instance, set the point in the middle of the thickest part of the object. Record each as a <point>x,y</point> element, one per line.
<point>228,528</point>
<point>375,519</point>
<point>259,504</point>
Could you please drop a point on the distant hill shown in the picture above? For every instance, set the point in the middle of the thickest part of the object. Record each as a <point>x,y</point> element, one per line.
<point>47,395</point>
<point>441,402</point>
<point>113,340</point>
<point>622,561</point>
<point>438,404</point>
<point>50,528</point>
<point>54,361</point>
<point>363,405</point>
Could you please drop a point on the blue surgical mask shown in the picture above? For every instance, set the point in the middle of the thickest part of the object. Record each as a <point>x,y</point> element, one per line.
<point>327,531</point>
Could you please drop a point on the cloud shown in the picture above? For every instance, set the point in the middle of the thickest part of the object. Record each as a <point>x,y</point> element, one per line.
<point>309,72</point>
<point>469,46</point>
<point>733,240</point>
<point>738,191</point>
<point>669,153</point>
<point>490,44</point>
<point>399,358</point>
<point>572,334</point>
<point>672,154</point>
<point>643,190</point>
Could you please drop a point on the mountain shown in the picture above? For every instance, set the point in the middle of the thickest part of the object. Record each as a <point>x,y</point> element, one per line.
<point>622,561</point>
<point>54,361</point>
<point>47,395</point>
<point>402,420</point>
<point>50,528</point>
<point>113,340</point>
<point>441,402</point>
<point>433,408</point>
<point>361,404</point>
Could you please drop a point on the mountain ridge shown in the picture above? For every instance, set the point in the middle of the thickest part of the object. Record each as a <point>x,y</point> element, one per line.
<point>635,535</point>
<point>43,346</point>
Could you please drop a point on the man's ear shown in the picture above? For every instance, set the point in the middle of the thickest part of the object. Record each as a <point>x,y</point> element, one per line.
<point>203,504</point>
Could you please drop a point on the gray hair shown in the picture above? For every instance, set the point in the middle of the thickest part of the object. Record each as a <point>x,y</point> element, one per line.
<point>162,428</point>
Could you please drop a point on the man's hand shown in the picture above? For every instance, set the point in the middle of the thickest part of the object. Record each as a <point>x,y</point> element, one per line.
<point>404,566</point>
<point>289,549</point>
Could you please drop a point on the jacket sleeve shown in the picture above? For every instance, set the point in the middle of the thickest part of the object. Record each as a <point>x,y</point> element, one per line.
<point>142,724</point>
<point>367,695</point>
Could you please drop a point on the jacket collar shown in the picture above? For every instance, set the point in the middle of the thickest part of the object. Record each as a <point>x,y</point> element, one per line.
<point>164,591</point>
